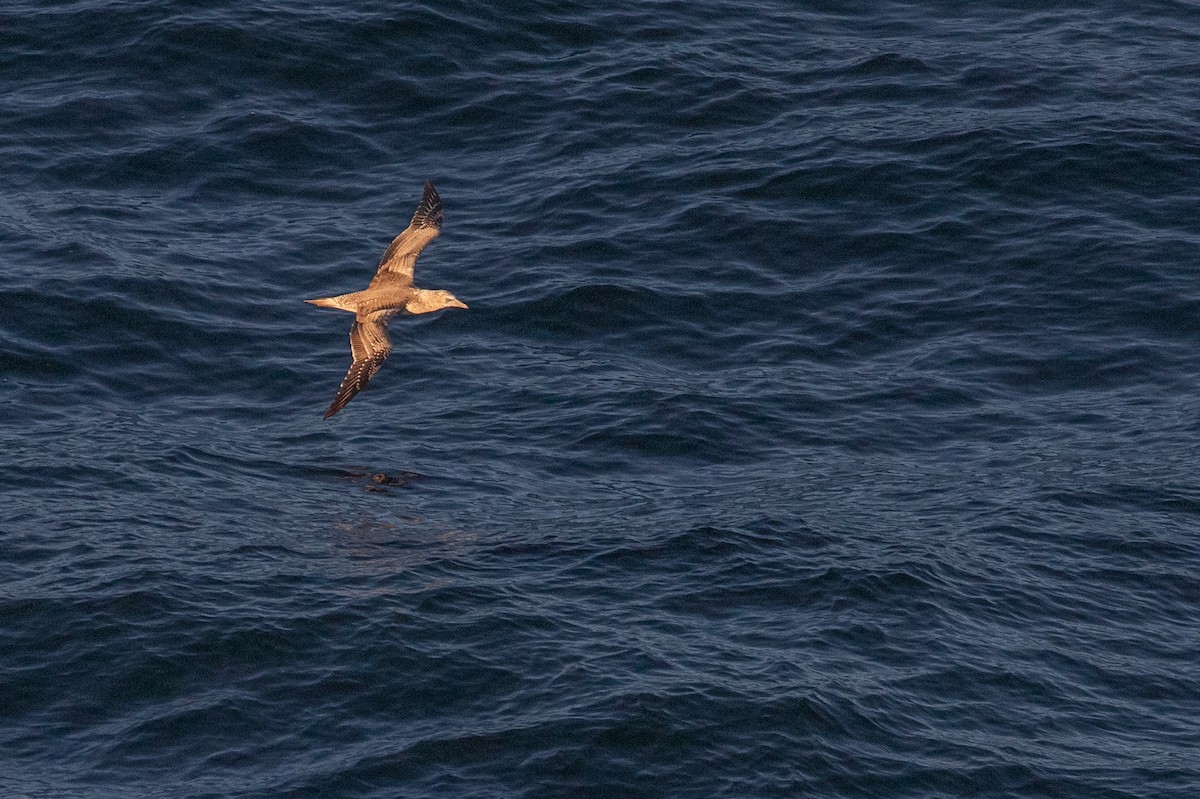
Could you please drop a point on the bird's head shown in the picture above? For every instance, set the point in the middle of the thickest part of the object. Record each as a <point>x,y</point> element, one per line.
<point>447,300</point>
<point>428,301</point>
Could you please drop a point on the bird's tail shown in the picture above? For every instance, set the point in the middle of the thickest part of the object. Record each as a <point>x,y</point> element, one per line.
<point>333,302</point>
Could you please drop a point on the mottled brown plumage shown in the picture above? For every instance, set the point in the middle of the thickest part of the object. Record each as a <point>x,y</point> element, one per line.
<point>391,292</point>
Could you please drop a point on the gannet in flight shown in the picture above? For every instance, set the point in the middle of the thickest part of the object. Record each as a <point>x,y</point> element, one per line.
<point>391,292</point>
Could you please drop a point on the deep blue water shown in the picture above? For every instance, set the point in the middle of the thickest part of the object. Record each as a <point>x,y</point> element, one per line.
<point>825,422</point>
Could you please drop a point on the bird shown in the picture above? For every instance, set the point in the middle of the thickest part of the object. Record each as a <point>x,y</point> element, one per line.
<point>389,293</point>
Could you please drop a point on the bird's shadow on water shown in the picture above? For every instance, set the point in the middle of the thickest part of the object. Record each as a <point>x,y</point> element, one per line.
<point>367,531</point>
<point>385,535</point>
<point>379,482</point>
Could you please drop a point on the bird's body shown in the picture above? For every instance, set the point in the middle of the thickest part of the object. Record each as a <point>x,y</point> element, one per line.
<point>391,292</point>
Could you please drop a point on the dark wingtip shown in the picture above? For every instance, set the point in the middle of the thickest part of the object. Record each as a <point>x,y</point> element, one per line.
<point>338,403</point>
<point>429,210</point>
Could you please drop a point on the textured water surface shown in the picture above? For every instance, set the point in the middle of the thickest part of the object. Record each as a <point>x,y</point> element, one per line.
<point>825,421</point>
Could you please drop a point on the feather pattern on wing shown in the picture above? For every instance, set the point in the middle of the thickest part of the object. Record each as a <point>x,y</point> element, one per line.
<point>370,346</point>
<point>401,256</point>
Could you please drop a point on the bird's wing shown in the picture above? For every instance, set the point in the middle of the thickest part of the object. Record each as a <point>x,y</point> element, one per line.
<point>370,346</point>
<point>400,258</point>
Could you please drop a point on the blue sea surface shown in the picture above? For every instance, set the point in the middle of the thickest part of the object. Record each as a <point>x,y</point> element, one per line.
<point>825,421</point>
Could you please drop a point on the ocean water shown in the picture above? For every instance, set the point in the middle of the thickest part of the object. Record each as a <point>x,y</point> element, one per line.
<point>825,422</point>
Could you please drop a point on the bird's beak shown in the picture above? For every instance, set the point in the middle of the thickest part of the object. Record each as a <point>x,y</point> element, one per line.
<point>457,303</point>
